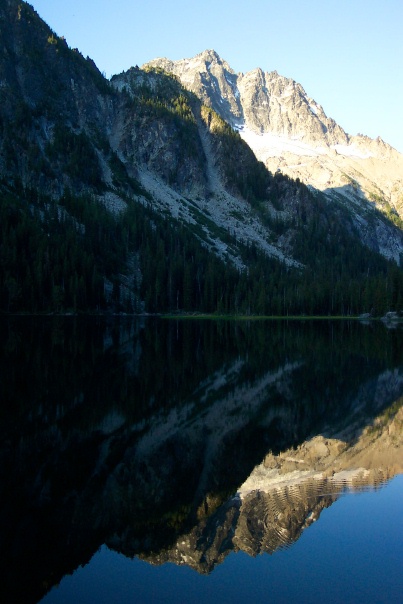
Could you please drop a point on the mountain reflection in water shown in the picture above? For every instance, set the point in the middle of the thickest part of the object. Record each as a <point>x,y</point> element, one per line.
<point>184,440</point>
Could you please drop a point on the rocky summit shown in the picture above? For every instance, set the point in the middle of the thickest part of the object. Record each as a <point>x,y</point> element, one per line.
<point>290,132</point>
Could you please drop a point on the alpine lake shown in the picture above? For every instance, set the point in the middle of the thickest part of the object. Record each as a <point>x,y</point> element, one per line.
<point>200,460</point>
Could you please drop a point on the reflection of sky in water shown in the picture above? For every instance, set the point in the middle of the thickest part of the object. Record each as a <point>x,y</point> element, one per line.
<point>352,554</point>
<point>141,440</point>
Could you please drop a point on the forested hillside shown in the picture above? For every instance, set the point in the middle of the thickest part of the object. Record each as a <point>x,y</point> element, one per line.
<point>131,196</point>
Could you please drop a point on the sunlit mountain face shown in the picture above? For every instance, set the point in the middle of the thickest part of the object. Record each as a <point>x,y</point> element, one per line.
<point>290,132</point>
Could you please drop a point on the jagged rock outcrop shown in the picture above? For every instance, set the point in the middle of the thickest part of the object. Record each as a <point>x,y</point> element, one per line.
<point>290,131</point>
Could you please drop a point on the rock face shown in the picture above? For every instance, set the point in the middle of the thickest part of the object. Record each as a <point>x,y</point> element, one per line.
<point>291,134</point>
<point>289,131</point>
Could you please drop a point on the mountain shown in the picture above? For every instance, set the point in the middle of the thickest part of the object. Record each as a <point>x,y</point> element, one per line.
<point>289,131</point>
<point>133,195</point>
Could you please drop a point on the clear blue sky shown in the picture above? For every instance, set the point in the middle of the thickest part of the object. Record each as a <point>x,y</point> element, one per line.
<point>347,54</point>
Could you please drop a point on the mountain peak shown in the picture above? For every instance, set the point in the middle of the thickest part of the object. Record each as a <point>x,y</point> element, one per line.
<point>290,132</point>
<point>257,100</point>
<point>210,54</point>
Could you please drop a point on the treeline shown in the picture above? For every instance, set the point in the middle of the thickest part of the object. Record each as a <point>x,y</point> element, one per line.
<point>75,256</point>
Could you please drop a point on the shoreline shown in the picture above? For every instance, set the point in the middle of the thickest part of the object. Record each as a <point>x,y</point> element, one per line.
<point>208,316</point>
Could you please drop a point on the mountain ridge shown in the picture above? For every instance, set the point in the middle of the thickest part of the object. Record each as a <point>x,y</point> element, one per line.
<point>289,131</point>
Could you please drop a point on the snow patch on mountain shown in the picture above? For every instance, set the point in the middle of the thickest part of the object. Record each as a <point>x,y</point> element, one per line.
<point>266,144</point>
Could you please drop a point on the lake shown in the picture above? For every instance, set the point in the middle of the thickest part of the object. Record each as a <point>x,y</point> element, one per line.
<point>191,460</point>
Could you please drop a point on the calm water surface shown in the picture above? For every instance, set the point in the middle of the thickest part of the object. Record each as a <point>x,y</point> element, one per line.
<point>354,554</point>
<point>192,461</point>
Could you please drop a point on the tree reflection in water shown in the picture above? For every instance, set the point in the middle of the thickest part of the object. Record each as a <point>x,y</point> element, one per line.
<point>184,440</point>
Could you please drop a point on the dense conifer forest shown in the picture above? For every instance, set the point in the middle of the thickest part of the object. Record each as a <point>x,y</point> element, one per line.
<point>68,257</point>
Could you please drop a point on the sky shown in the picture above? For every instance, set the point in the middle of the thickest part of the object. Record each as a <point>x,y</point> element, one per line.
<point>347,54</point>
